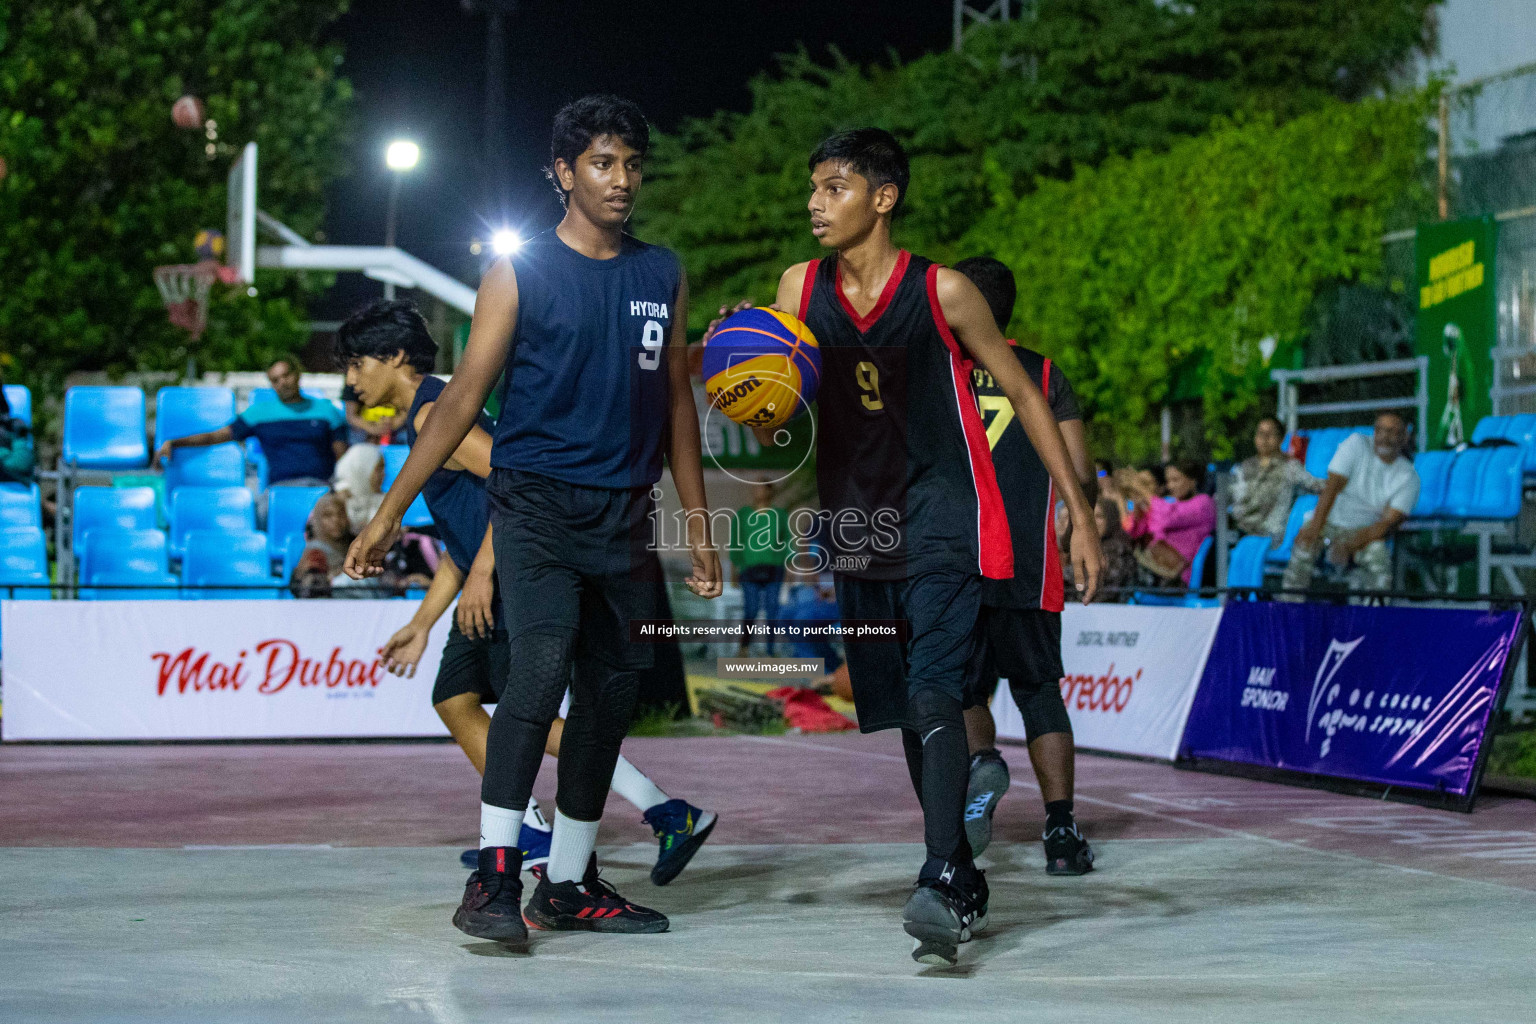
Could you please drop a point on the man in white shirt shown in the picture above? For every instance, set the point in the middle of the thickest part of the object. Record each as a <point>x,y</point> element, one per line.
<point>1370,490</point>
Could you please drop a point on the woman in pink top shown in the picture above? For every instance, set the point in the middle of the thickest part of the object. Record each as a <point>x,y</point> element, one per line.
<point>1183,522</point>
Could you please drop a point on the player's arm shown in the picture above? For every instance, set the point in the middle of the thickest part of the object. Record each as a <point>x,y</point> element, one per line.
<point>686,452</point>
<point>202,440</point>
<point>403,651</point>
<point>485,356</point>
<point>970,318</point>
<point>477,610</point>
<point>473,453</point>
<point>1076,440</point>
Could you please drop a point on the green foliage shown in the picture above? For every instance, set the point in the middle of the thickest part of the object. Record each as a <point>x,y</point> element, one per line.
<point>1097,78</point>
<point>103,187</point>
<point>1143,267</point>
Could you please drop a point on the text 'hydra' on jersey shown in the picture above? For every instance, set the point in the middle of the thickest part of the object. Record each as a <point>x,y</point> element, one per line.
<point>648,309</point>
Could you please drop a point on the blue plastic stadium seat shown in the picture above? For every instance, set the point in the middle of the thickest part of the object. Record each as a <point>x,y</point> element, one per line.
<point>394,457</point>
<point>104,428</point>
<point>1434,470</point>
<point>268,395</point>
<point>23,563</point>
<point>1321,445</point>
<point>1196,574</point>
<point>257,459</point>
<point>223,509</point>
<point>180,412</point>
<point>215,559</point>
<point>219,465</point>
<point>114,551</point>
<point>293,550</point>
<point>1519,430</point>
<point>110,508</point>
<point>132,585</point>
<point>1301,511</point>
<point>1491,428</point>
<point>19,398</point>
<point>1486,483</point>
<point>1245,565</point>
<point>20,505</point>
<point>288,509</point>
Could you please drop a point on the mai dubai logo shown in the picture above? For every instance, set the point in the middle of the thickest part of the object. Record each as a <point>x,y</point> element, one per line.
<point>1333,660</point>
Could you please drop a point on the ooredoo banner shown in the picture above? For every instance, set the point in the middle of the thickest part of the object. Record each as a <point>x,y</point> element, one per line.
<point>1400,696</point>
<point>1131,673</point>
<point>153,670</point>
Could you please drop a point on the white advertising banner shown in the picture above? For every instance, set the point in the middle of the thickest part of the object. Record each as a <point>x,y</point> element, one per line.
<point>174,670</point>
<point>1131,674</point>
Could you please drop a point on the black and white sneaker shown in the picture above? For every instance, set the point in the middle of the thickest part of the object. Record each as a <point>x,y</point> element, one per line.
<point>989,781</point>
<point>492,896</point>
<point>1066,851</point>
<point>590,905</point>
<point>947,907</point>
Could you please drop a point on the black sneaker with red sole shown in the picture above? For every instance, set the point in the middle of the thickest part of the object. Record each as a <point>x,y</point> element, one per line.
<point>490,908</point>
<point>590,905</point>
<point>1066,851</point>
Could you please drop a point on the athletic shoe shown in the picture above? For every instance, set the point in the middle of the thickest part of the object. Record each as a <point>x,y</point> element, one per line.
<point>989,781</point>
<point>681,829</point>
<point>1066,851</point>
<point>534,842</point>
<point>590,905</point>
<point>948,907</point>
<point>490,909</point>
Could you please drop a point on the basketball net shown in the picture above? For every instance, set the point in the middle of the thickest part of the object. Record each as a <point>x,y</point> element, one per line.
<point>185,287</point>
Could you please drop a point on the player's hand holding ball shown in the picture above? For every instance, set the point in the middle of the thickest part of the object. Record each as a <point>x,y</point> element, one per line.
<point>365,558</point>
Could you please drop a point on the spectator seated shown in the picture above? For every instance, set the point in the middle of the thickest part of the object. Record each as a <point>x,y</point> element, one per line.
<point>224,509</point>
<point>1192,599</point>
<point>180,412</point>
<point>109,508</point>
<point>218,560</point>
<point>19,398</point>
<point>104,428</point>
<point>20,505</point>
<point>394,457</point>
<point>1322,442</point>
<point>221,465</point>
<point>288,510</point>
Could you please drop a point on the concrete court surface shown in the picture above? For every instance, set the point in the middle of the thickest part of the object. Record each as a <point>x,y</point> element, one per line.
<point>315,883</point>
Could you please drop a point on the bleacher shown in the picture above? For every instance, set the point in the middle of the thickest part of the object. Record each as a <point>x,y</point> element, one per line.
<point>129,530</point>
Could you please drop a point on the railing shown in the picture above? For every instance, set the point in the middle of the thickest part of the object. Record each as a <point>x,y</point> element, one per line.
<point>1291,408</point>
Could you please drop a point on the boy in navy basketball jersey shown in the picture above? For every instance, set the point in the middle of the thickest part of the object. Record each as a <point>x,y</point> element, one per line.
<point>1021,617</point>
<point>388,353</point>
<point>906,477</point>
<point>589,324</point>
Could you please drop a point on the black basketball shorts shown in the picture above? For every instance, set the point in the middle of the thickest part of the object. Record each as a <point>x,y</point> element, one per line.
<point>473,666</point>
<point>1023,646</point>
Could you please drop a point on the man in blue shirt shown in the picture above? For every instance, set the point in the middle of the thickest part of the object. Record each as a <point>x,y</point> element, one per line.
<point>302,437</point>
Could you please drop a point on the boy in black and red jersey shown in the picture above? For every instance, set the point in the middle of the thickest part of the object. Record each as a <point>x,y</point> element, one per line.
<point>914,513</point>
<point>1021,617</point>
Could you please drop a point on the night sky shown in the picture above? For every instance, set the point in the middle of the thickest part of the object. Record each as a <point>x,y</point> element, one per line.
<point>418,69</point>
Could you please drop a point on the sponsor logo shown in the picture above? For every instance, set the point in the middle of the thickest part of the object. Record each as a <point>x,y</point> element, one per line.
<point>1260,692</point>
<point>727,397</point>
<point>652,309</point>
<point>1107,692</point>
<point>278,664</point>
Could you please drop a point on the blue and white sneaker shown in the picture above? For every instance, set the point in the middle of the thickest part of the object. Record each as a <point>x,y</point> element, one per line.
<point>989,781</point>
<point>681,828</point>
<point>534,842</point>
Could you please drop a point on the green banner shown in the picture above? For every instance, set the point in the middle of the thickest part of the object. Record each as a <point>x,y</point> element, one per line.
<point>1457,324</point>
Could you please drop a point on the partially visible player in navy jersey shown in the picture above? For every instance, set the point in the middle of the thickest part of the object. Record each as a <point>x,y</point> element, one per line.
<point>589,325</point>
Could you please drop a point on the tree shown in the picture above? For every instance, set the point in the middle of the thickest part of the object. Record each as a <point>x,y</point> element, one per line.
<point>1107,77</point>
<point>103,187</point>
<point>1144,268</point>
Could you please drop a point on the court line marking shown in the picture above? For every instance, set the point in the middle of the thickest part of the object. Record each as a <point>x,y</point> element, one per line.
<point>1191,822</point>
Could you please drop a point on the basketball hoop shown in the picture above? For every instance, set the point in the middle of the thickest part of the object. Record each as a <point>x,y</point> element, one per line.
<point>184,288</point>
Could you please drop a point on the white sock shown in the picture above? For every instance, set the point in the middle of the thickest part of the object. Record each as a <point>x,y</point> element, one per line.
<point>499,825</point>
<point>570,848</point>
<point>633,785</point>
<point>535,818</point>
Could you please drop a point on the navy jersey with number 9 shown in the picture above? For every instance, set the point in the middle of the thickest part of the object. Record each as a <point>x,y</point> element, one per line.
<point>586,398</point>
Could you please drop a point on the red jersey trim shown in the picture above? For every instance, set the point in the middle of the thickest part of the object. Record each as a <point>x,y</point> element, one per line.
<point>864,323</point>
<point>1052,588</point>
<point>992,538</point>
<point>807,287</point>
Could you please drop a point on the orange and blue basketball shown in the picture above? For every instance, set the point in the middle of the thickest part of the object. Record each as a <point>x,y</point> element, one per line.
<point>762,367</point>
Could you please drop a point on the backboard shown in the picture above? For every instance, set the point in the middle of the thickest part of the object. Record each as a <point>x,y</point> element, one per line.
<point>240,238</point>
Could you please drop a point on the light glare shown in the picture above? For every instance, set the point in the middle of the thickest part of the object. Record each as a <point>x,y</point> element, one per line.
<point>402,155</point>
<point>505,242</point>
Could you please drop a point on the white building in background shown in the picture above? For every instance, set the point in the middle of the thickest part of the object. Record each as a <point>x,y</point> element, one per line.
<point>1483,38</point>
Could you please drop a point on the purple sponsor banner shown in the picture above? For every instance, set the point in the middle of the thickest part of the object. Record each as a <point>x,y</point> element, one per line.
<point>1399,696</point>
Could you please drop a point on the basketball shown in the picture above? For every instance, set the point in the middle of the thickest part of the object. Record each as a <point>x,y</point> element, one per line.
<point>187,112</point>
<point>762,367</point>
<point>209,244</point>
